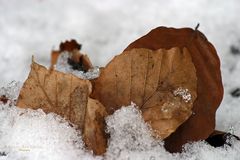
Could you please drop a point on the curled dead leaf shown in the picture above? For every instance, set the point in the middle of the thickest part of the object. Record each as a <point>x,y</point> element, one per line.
<point>68,96</point>
<point>70,46</point>
<point>94,129</point>
<point>209,83</point>
<point>77,60</point>
<point>162,83</point>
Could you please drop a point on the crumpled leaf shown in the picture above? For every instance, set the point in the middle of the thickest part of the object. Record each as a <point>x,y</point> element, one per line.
<point>70,46</point>
<point>209,83</point>
<point>68,96</point>
<point>77,60</point>
<point>162,83</point>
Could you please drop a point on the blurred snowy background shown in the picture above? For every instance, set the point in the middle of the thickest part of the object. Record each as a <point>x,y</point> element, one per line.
<point>106,27</point>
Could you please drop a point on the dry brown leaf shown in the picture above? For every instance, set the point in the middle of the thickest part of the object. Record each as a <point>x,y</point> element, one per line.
<point>77,60</point>
<point>54,57</point>
<point>162,83</point>
<point>70,46</point>
<point>209,83</point>
<point>94,130</point>
<point>66,95</point>
<point>56,92</point>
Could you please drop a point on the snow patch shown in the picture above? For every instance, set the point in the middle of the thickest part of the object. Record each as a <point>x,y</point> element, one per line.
<point>63,66</point>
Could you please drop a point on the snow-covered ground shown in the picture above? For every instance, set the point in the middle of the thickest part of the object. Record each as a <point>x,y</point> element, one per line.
<point>105,28</point>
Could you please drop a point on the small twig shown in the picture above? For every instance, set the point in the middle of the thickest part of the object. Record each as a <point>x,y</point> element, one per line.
<point>196,28</point>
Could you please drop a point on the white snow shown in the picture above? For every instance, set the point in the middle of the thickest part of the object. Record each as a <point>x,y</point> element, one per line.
<point>105,28</point>
<point>183,93</point>
<point>63,66</point>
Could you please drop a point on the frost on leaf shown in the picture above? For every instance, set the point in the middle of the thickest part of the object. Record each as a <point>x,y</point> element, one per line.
<point>66,95</point>
<point>148,78</point>
<point>183,93</point>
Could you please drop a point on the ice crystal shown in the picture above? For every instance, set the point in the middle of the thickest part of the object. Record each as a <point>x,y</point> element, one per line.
<point>183,93</point>
<point>63,66</point>
<point>11,91</point>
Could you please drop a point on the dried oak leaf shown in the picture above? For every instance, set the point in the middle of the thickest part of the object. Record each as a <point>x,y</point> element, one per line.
<point>77,60</point>
<point>68,96</point>
<point>209,83</point>
<point>162,83</point>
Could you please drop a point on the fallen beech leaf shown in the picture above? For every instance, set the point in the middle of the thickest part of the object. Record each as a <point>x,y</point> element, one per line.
<point>66,95</point>
<point>77,60</point>
<point>70,46</point>
<point>209,83</point>
<point>56,92</point>
<point>94,130</point>
<point>162,83</point>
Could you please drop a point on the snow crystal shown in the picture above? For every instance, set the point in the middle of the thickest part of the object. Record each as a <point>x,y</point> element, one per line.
<point>130,137</point>
<point>12,90</point>
<point>63,66</point>
<point>183,93</point>
<point>202,151</point>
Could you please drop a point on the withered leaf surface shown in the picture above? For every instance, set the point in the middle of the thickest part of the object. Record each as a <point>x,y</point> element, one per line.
<point>162,83</point>
<point>68,96</point>
<point>56,92</point>
<point>76,59</point>
<point>209,83</point>
<point>94,130</point>
<point>70,46</point>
